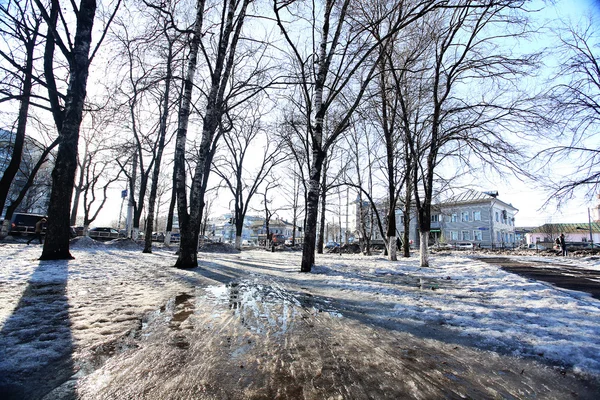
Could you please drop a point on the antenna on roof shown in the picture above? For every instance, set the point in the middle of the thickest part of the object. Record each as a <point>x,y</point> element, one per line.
<point>494,194</point>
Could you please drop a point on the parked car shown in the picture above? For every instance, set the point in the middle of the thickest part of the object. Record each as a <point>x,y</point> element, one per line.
<point>442,246</point>
<point>103,233</point>
<point>332,245</point>
<point>158,236</point>
<point>464,246</point>
<point>278,239</point>
<point>24,224</point>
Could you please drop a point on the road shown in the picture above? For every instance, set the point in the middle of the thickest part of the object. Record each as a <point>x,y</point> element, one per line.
<point>566,276</point>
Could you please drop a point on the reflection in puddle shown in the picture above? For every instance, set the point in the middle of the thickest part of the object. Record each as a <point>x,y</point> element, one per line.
<point>183,309</point>
<point>262,307</point>
<point>234,295</point>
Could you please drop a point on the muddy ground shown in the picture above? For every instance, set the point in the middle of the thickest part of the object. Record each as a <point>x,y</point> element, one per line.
<point>251,328</point>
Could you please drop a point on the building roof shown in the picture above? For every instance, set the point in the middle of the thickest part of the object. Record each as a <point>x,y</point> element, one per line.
<point>475,196</point>
<point>582,227</point>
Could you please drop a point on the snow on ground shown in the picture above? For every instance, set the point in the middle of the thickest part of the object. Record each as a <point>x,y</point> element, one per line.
<point>499,310</point>
<point>64,311</point>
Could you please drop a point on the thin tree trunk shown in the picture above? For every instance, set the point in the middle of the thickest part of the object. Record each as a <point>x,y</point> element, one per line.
<point>15,161</point>
<point>159,152</point>
<point>321,240</point>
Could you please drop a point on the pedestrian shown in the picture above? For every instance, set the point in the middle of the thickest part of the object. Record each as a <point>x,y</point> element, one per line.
<point>563,245</point>
<point>38,230</point>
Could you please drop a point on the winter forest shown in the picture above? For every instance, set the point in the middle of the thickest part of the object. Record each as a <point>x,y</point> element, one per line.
<point>288,103</point>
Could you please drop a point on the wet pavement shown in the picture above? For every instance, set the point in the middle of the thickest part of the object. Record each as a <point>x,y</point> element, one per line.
<point>558,274</point>
<point>252,327</point>
<point>254,339</point>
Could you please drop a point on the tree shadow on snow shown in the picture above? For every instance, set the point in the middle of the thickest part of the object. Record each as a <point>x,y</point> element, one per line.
<point>36,344</point>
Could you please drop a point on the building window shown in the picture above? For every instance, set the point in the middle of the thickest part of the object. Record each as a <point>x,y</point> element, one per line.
<point>454,235</point>
<point>498,234</point>
<point>466,235</point>
<point>497,217</point>
<point>465,216</point>
<point>477,235</point>
<point>454,217</point>
<point>435,218</point>
<point>476,215</point>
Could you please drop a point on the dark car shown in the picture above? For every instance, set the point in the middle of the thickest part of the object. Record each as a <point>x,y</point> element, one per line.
<point>278,239</point>
<point>103,233</point>
<point>332,245</point>
<point>24,224</point>
<point>158,236</point>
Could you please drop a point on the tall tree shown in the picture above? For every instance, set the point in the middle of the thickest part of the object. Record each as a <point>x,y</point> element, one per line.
<point>342,55</point>
<point>472,103</point>
<point>67,118</point>
<point>233,78</point>
<point>235,167</point>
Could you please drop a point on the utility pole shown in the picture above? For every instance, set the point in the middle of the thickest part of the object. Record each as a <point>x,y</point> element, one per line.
<point>347,208</point>
<point>590,225</point>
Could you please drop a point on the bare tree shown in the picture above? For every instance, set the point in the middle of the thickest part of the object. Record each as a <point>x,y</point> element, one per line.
<point>233,78</point>
<point>95,172</point>
<point>21,24</point>
<point>148,59</point>
<point>68,118</point>
<point>234,166</point>
<point>343,49</point>
<point>573,105</point>
<point>467,52</point>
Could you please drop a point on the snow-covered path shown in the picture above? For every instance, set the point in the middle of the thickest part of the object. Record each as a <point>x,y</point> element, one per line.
<point>116,323</point>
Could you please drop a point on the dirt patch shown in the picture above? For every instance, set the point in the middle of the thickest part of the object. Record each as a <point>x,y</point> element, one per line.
<point>218,247</point>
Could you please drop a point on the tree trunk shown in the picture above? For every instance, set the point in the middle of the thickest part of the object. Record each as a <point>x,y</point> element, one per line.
<point>406,234</point>
<point>188,244</point>
<point>15,161</point>
<point>310,233</point>
<point>321,240</point>
<point>424,248</point>
<point>159,152</point>
<point>169,226</point>
<point>392,245</point>
<point>56,245</point>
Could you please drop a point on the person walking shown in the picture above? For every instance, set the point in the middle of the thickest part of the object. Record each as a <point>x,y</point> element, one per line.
<point>563,245</point>
<point>38,231</point>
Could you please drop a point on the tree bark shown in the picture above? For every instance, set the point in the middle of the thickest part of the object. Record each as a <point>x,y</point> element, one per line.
<point>56,245</point>
<point>424,248</point>
<point>188,244</point>
<point>323,194</point>
<point>310,233</point>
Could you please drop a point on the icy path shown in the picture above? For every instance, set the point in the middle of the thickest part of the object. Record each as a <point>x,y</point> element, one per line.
<point>122,325</point>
